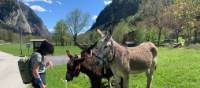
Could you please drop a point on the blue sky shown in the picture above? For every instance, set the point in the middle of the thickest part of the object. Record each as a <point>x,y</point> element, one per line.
<point>50,11</point>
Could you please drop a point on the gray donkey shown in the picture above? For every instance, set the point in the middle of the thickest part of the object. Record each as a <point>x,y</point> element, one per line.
<point>127,60</point>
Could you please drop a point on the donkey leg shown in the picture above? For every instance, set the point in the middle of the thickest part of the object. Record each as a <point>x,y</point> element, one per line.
<point>125,81</point>
<point>109,83</point>
<point>149,74</point>
<point>117,81</point>
<point>149,78</point>
<point>95,82</point>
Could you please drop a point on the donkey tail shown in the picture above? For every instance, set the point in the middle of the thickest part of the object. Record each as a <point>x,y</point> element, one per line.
<point>154,54</point>
<point>154,51</point>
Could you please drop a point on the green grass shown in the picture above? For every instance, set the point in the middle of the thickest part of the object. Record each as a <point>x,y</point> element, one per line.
<point>177,68</point>
<point>15,49</point>
<point>56,79</point>
<point>61,50</point>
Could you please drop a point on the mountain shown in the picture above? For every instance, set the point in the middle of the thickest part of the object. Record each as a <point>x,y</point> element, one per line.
<point>116,11</point>
<point>17,16</point>
<point>140,17</point>
<point>132,11</point>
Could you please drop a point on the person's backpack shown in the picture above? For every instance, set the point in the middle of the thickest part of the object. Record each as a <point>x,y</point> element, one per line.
<point>24,65</point>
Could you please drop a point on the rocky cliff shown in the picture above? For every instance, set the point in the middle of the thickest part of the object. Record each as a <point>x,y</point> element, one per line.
<point>17,16</point>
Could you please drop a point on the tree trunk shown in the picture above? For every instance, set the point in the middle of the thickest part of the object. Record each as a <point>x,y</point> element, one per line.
<point>159,36</point>
<point>62,42</point>
<point>177,35</point>
<point>195,36</point>
<point>56,43</point>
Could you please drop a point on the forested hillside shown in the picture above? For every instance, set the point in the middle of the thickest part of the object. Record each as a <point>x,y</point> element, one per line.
<point>152,20</point>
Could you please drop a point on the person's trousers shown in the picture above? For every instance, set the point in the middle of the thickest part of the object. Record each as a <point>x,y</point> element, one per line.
<point>34,82</point>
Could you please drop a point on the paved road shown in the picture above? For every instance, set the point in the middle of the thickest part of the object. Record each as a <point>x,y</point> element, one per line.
<point>9,73</point>
<point>58,60</point>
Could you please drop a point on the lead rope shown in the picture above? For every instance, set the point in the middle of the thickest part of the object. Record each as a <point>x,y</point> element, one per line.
<point>104,66</point>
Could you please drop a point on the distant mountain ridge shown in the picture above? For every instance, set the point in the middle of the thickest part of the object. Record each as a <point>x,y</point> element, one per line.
<point>16,15</point>
<point>117,10</point>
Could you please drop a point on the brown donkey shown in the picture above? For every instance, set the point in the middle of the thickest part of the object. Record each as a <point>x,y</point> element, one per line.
<point>127,60</point>
<point>87,65</point>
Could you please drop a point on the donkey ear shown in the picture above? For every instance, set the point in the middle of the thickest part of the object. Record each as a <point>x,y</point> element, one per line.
<point>100,32</point>
<point>110,31</point>
<point>70,56</point>
<point>110,28</point>
<point>79,60</point>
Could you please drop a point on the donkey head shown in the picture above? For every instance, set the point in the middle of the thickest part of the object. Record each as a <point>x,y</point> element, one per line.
<point>73,67</point>
<point>104,48</point>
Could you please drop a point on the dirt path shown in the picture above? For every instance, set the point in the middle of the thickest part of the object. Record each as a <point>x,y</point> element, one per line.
<point>9,73</point>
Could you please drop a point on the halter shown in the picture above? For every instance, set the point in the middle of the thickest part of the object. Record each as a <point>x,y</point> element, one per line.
<point>108,60</point>
<point>113,52</point>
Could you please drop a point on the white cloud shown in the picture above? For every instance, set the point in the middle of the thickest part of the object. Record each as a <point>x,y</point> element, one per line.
<point>81,33</point>
<point>45,1</point>
<point>58,2</point>
<point>51,30</point>
<point>107,2</point>
<point>48,1</point>
<point>38,8</point>
<point>26,3</point>
<point>86,28</point>
<point>89,27</point>
<point>94,17</point>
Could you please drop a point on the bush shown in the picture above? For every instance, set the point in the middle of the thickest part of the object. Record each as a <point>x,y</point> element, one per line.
<point>120,30</point>
<point>193,46</point>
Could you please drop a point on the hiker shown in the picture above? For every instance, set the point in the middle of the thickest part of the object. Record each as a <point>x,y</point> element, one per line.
<point>38,64</point>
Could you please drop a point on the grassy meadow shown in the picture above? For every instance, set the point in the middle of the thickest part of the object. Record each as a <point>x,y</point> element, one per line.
<point>15,49</point>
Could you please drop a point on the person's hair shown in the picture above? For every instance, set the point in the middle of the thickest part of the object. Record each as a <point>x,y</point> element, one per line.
<point>46,48</point>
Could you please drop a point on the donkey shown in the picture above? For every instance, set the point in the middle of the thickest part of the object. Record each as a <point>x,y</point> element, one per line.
<point>87,64</point>
<point>127,60</point>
